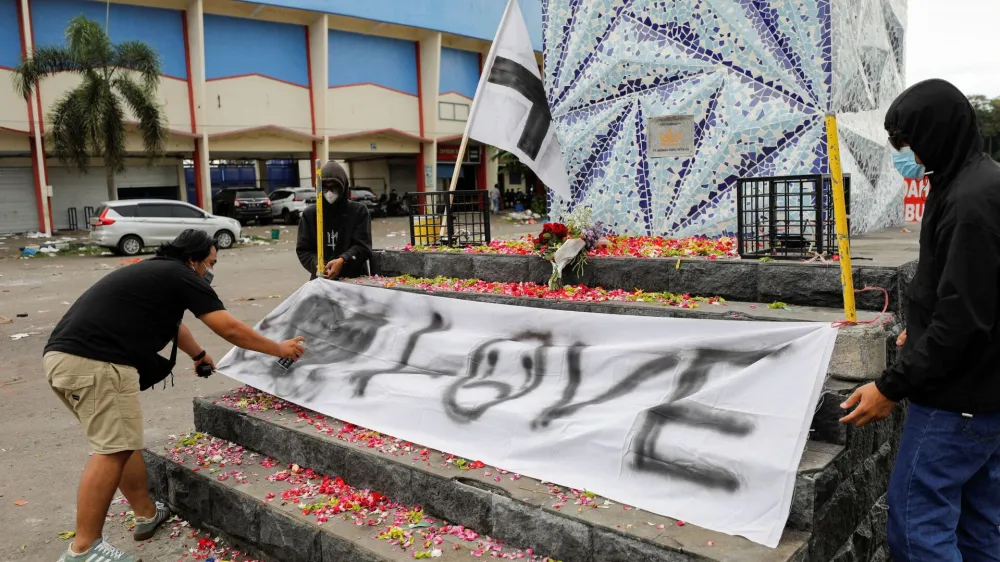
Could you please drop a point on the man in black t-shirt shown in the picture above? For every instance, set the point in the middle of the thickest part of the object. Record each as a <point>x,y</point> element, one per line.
<point>110,339</point>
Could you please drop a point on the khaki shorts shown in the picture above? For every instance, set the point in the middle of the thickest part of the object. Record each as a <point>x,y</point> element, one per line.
<point>104,397</point>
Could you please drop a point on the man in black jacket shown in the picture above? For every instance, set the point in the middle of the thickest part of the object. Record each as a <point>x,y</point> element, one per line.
<point>348,229</point>
<point>944,496</point>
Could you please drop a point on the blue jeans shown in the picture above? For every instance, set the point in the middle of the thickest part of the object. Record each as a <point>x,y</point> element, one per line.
<point>944,495</point>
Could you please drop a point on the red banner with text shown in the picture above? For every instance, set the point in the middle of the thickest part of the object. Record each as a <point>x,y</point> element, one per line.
<point>913,201</point>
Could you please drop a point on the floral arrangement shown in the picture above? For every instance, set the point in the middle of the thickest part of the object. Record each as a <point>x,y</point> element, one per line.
<point>601,244</point>
<point>570,243</point>
<point>553,234</point>
<point>535,290</point>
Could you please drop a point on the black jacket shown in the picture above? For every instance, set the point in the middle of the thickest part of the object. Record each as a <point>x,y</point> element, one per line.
<point>348,228</point>
<point>951,359</point>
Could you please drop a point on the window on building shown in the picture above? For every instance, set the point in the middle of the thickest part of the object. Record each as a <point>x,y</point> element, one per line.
<point>448,111</point>
<point>515,177</point>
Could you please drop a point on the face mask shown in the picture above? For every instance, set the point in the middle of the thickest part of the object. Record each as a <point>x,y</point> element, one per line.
<point>331,196</point>
<point>906,163</point>
<point>209,274</point>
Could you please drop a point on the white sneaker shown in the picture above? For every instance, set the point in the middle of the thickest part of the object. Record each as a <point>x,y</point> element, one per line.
<point>100,551</point>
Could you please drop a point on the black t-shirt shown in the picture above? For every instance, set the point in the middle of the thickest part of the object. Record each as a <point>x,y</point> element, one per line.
<point>133,312</point>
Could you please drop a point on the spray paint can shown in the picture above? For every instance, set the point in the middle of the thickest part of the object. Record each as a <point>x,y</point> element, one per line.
<point>286,364</point>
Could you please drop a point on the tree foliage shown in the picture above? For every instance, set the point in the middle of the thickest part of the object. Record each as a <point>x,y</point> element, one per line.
<point>507,162</point>
<point>90,119</point>
<point>988,118</point>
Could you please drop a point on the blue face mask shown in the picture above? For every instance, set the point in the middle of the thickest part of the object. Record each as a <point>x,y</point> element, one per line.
<point>906,163</point>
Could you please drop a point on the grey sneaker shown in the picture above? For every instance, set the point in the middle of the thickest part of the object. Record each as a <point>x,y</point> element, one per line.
<point>100,551</point>
<point>144,528</point>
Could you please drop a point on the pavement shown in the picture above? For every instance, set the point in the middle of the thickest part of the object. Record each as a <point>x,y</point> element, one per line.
<point>42,449</point>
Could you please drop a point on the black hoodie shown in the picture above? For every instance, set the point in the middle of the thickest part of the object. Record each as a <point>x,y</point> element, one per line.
<point>951,359</point>
<point>348,228</point>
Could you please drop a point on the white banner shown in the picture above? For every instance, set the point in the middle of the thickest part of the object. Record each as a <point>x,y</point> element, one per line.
<point>700,420</point>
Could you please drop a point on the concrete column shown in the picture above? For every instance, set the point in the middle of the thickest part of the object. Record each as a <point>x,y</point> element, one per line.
<point>43,191</point>
<point>195,21</point>
<point>492,166</point>
<point>202,172</point>
<point>489,152</point>
<point>182,192</point>
<point>429,59</point>
<point>305,173</point>
<point>260,170</point>
<point>319,81</point>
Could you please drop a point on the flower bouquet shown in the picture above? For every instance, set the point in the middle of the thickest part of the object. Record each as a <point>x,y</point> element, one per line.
<point>569,244</point>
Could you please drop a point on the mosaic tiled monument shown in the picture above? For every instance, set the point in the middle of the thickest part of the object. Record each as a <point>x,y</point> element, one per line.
<point>758,76</point>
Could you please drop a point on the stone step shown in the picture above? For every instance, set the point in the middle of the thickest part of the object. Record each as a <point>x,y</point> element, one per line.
<point>564,524</point>
<point>241,499</point>
<point>793,282</point>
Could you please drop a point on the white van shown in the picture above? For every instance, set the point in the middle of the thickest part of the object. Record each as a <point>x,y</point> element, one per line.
<point>129,226</point>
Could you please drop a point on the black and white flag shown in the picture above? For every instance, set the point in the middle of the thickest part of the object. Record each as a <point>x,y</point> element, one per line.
<point>511,111</point>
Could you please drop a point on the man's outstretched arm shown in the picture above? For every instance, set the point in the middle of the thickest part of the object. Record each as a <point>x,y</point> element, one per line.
<point>227,327</point>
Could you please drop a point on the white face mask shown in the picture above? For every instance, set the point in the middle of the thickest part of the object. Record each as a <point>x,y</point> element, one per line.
<point>330,196</point>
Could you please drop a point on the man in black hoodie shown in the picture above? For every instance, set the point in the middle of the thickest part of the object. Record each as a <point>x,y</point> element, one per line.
<point>944,495</point>
<point>347,225</point>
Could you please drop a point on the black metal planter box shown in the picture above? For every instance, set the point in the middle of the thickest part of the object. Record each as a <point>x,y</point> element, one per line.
<point>787,217</point>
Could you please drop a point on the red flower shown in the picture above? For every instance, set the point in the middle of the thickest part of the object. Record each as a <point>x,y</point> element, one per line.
<point>557,230</point>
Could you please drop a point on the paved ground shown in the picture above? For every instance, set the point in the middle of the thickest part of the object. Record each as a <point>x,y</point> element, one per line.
<point>41,448</point>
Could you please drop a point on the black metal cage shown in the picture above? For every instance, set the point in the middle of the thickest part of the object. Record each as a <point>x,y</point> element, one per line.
<point>449,218</point>
<point>787,217</point>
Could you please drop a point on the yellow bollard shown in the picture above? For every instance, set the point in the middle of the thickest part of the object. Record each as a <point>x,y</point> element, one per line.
<point>320,235</point>
<point>840,215</point>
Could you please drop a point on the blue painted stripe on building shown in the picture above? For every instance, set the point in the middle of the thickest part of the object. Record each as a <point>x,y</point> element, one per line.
<point>469,18</point>
<point>356,58</point>
<point>159,28</point>
<point>10,34</point>
<point>459,72</point>
<point>239,46</point>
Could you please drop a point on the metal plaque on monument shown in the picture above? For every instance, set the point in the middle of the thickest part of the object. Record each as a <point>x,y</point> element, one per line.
<point>670,136</point>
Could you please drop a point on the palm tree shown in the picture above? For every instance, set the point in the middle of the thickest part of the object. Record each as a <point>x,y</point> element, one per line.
<point>507,162</point>
<point>89,120</point>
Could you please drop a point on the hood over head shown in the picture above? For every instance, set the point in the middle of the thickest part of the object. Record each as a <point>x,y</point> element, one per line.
<point>939,124</point>
<point>334,176</point>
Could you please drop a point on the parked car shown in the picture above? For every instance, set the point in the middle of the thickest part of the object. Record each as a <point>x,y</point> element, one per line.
<point>131,225</point>
<point>244,204</point>
<point>288,203</point>
<point>366,197</point>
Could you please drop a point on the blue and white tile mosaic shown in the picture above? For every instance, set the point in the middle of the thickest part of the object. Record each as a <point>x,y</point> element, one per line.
<point>758,76</point>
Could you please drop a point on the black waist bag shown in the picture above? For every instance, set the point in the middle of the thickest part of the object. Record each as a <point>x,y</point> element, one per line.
<point>155,368</point>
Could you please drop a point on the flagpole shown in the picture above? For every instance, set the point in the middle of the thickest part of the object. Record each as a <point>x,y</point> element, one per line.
<point>472,112</point>
<point>460,158</point>
<point>320,238</point>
